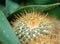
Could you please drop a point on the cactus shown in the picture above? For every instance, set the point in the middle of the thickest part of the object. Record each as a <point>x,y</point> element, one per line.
<point>34,25</point>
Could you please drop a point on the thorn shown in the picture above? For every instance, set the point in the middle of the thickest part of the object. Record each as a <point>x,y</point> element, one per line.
<point>46,15</point>
<point>12,22</point>
<point>16,16</point>
<point>25,11</point>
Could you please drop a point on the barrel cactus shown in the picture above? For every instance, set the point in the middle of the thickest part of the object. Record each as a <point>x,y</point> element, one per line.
<point>34,24</point>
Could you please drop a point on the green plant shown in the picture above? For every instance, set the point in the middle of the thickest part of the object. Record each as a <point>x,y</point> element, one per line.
<point>7,35</point>
<point>7,27</point>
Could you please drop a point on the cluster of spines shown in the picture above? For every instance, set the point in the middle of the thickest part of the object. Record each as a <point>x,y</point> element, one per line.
<point>19,17</point>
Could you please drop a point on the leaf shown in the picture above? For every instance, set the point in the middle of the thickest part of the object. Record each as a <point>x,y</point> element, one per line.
<point>11,7</point>
<point>3,8</point>
<point>37,8</point>
<point>55,12</point>
<point>7,36</point>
